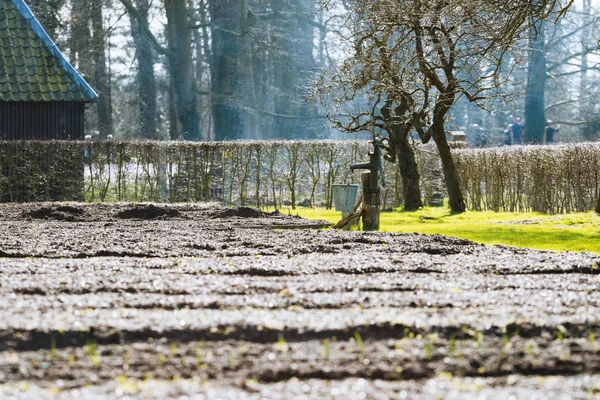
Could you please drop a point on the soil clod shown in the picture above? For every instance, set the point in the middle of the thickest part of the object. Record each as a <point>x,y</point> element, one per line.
<point>148,212</point>
<point>242,212</point>
<point>60,213</point>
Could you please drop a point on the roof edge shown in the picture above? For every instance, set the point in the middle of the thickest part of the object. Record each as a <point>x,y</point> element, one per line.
<point>39,30</point>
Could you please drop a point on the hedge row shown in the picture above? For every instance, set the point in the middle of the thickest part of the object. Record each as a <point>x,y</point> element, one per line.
<point>553,179</point>
<point>236,173</point>
<point>547,179</point>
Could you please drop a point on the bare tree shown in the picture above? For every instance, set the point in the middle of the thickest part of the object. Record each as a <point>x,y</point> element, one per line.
<point>146,80</point>
<point>48,13</point>
<point>180,64</point>
<point>415,58</point>
<point>101,79</point>
<point>181,68</point>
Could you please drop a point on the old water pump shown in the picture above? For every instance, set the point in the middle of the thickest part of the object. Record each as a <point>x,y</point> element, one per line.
<point>371,193</point>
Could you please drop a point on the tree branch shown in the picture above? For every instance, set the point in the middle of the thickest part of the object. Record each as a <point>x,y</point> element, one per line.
<point>144,27</point>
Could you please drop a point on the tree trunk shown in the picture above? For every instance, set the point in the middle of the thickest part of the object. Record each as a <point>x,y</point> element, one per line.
<point>48,13</point>
<point>457,202</point>
<point>585,106</point>
<point>181,69</point>
<point>101,76</point>
<point>293,65</point>
<point>225,67</point>
<point>80,40</point>
<point>409,171</point>
<point>405,155</point>
<point>535,117</point>
<point>201,44</point>
<point>146,81</point>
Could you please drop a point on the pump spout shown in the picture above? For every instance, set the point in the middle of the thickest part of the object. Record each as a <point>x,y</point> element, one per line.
<point>360,166</point>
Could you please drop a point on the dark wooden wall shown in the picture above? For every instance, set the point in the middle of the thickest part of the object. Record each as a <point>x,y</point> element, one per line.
<point>60,120</point>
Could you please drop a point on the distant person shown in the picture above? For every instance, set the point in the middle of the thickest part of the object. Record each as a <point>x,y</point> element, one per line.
<point>477,135</point>
<point>517,131</point>
<point>508,136</point>
<point>550,131</point>
<point>87,151</point>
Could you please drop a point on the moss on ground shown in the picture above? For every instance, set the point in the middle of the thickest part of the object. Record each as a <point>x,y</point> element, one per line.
<point>569,232</point>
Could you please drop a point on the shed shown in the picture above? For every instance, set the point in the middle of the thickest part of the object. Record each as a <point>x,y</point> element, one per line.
<point>42,97</point>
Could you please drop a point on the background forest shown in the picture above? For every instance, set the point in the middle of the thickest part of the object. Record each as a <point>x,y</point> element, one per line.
<point>242,69</point>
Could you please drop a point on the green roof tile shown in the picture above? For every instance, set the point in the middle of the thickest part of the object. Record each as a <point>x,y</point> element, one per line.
<point>31,66</point>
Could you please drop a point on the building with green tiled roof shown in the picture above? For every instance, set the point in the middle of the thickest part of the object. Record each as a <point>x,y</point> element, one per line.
<point>42,97</point>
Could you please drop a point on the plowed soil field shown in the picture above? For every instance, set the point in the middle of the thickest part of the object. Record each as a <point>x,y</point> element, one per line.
<point>138,301</point>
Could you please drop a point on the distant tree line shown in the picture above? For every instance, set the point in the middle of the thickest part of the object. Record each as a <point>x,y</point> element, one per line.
<point>551,74</point>
<point>194,70</point>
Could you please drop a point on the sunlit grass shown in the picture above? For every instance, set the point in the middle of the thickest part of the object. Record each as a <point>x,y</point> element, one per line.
<point>570,232</point>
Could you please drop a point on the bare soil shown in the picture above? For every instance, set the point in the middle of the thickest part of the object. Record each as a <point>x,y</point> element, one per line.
<point>167,301</point>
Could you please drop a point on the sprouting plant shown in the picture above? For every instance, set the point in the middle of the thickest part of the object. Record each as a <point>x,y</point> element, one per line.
<point>126,360</point>
<point>199,357</point>
<point>529,349</point>
<point>243,349</point>
<point>559,334</point>
<point>592,338</point>
<point>478,339</point>
<point>174,349</point>
<point>398,372</point>
<point>232,359</point>
<point>91,349</point>
<point>326,349</point>
<point>504,342</point>
<point>359,344</point>
<point>281,340</point>
<point>161,358</point>
<point>452,344</point>
<point>428,349</point>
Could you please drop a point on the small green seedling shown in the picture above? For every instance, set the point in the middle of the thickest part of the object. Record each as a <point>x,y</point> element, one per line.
<point>559,334</point>
<point>452,344</point>
<point>478,339</point>
<point>326,349</point>
<point>91,350</point>
<point>504,342</point>
<point>359,344</point>
<point>232,359</point>
<point>428,349</point>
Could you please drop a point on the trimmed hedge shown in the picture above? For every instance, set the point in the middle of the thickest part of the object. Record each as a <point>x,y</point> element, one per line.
<point>240,173</point>
<point>36,171</point>
<point>549,179</point>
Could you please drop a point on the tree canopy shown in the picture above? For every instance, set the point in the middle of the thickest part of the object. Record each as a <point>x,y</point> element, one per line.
<point>413,59</point>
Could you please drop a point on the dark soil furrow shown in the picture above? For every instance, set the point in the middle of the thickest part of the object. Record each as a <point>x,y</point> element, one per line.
<point>392,360</point>
<point>34,339</point>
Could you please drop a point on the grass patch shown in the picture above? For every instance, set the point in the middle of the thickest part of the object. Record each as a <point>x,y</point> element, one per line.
<point>569,232</point>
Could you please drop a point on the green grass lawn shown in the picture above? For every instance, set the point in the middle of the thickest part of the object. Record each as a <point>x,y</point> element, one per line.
<point>571,232</point>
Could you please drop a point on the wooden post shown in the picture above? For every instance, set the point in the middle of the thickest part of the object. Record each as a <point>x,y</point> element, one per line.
<point>367,199</point>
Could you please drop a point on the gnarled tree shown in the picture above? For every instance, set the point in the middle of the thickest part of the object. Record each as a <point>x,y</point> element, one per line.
<point>415,58</point>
